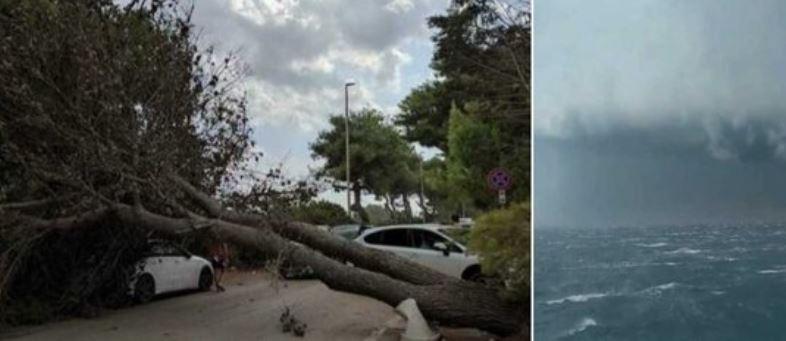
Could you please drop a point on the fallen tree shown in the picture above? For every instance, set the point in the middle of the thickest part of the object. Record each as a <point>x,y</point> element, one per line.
<point>448,301</point>
<point>121,120</point>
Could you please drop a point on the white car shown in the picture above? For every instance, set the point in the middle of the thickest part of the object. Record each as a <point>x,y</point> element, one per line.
<point>425,244</point>
<point>169,268</point>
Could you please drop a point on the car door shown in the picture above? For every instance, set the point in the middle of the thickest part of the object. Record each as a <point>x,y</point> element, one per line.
<point>191,268</point>
<point>179,269</point>
<point>428,255</point>
<point>398,241</point>
<point>158,265</point>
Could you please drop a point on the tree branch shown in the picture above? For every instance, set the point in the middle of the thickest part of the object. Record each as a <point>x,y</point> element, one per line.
<point>330,245</point>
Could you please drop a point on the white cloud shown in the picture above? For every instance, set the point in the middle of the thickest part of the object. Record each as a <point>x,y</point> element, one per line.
<point>300,52</point>
<point>400,6</point>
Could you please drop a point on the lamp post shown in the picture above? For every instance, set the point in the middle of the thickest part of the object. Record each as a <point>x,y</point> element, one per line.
<point>422,198</point>
<point>346,132</point>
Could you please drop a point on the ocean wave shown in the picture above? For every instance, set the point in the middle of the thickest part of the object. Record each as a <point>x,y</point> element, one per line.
<point>653,290</point>
<point>577,298</point>
<point>667,286</point>
<point>724,259</point>
<point>652,245</point>
<point>582,326</point>
<point>658,289</point>
<point>683,251</point>
<point>771,271</point>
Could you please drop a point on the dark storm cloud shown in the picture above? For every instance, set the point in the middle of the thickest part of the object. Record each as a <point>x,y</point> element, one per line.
<point>659,112</point>
<point>624,179</point>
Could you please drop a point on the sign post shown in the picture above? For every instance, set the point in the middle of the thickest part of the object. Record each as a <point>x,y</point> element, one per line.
<point>500,181</point>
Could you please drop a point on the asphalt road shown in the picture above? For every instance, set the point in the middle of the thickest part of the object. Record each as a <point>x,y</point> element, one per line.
<point>248,310</point>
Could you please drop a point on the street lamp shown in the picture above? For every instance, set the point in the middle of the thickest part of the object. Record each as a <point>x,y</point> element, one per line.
<point>346,132</point>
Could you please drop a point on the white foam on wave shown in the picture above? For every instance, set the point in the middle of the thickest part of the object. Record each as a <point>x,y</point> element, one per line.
<point>582,326</point>
<point>683,251</point>
<point>658,289</point>
<point>771,271</point>
<point>667,286</point>
<point>653,290</point>
<point>722,259</point>
<point>652,245</point>
<point>577,298</point>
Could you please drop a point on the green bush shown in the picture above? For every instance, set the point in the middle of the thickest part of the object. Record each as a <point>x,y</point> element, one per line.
<point>502,240</point>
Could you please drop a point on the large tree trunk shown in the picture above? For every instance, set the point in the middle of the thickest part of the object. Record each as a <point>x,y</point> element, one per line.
<point>374,273</point>
<point>328,244</point>
<point>427,215</point>
<point>449,302</point>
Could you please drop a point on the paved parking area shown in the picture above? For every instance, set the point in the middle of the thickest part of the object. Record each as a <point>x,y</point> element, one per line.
<point>248,310</point>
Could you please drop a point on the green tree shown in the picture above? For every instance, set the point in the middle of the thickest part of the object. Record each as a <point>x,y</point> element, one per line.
<point>477,112</point>
<point>482,55</point>
<point>127,127</point>
<point>424,114</point>
<point>98,103</point>
<point>475,148</point>
<point>379,156</point>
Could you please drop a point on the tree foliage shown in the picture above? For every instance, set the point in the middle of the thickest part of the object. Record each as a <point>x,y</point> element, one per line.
<point>502,238</point>
<point>321,213</point>
<point>380,160</point>
<point>97,103</point>
<point>477,111</point>
<point>475,148</point>
<point>99,94</point>
<point>482,55</point>
<point>111,115</point>
<point>424,114</point>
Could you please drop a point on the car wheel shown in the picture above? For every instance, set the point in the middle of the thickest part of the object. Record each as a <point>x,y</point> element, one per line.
<point>144,289</point>
<point>475,276</point>
<point>205,279</point>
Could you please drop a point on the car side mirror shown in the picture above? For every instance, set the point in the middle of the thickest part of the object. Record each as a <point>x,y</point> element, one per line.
<point>442,247</point>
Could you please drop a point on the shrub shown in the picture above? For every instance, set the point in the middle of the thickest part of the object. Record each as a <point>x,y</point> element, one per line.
<point>502,240</point>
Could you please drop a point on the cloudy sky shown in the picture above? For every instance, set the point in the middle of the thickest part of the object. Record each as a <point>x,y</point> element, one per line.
<point>301,52</point>
<point>659,112</point>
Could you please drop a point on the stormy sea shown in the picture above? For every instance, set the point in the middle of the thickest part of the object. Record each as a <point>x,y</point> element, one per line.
<point>661,283</point>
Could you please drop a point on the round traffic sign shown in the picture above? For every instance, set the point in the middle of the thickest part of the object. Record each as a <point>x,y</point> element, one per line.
<point>499,179</point>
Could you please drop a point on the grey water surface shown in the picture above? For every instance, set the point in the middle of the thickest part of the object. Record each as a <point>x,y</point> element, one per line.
<point>661,283</point>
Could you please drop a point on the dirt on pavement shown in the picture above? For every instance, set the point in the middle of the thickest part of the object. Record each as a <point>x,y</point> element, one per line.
<point>249,309</point>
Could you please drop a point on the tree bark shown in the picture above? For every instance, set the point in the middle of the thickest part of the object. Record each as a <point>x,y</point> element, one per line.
<point>328,244</point>
<point>377,274</point>
<point>455,303</point>
<point>407,206</point>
